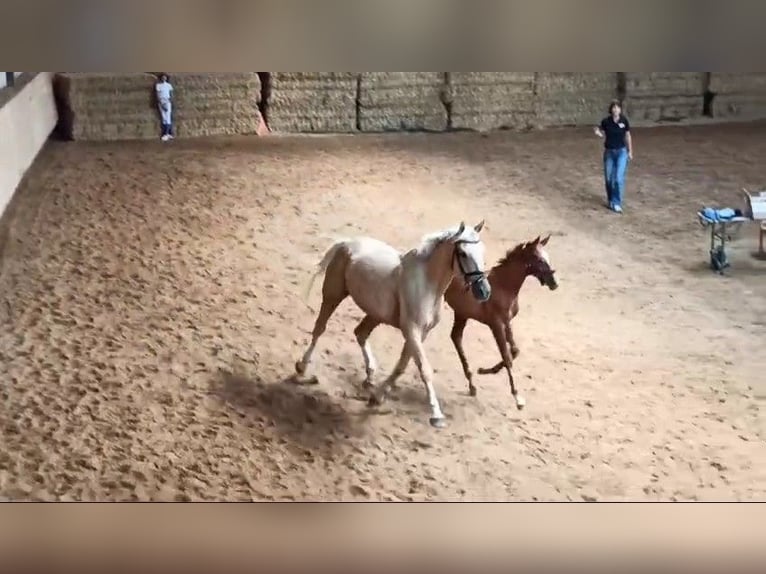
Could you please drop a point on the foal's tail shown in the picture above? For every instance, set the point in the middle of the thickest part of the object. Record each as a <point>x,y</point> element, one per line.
<point>322,267</point>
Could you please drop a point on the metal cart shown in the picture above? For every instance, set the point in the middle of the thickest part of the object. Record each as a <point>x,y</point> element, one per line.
<point>722,230</point>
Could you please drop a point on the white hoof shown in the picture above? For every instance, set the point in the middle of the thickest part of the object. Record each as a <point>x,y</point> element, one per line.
<point>438,422</point>
<point>520,402</point>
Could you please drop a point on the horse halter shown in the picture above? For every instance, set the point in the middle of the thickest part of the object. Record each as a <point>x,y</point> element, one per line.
<point>471,277</point>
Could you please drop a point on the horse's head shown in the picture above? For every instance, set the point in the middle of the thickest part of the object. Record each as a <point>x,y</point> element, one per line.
<point>468,260</point>
<point>538,264</point>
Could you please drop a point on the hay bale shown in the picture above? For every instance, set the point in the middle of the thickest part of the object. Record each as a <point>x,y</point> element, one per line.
<point>664,96</point>
<point>402,101</point>
<point>491,100</point>
<point>104,106</point>
<point>739,95</point>
<point>319,102</point>
<point>108,106</point>
<point>573,98</point>
<point>221,103</point>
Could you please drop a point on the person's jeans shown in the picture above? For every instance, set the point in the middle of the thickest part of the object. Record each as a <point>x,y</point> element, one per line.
<point>615,168</point>
<point>167,119</point>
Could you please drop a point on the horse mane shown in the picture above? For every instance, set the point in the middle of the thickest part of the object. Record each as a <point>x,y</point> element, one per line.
<point>510,255</point>
<point>431,241</point>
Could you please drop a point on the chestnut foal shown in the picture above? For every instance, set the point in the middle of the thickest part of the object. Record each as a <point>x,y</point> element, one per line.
<point>506,279</point>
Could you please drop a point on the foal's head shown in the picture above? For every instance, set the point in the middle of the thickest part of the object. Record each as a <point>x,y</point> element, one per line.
<point>468,260</point>
<point>534,261</point>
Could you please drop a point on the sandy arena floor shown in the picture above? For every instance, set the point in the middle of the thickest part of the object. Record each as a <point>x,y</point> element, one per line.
<point>150,312</point>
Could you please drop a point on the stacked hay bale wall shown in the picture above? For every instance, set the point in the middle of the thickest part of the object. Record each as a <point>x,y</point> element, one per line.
<point>102,106</point>
<point>217,104</point>
<point>739,95</point>
<point>318,102</point>
<point>485,101</point>
<point>402,101</point>
<point>664,96</point>
<point>573,98</point>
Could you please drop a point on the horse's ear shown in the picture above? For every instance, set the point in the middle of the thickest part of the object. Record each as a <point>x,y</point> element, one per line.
<point>545,241</point>
<point>460,230</point>
<point>479,227</point>
<point>536,241</point>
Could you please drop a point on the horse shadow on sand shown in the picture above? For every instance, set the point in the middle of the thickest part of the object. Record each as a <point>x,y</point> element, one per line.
<point>407,398</point>
<point>303,417</point>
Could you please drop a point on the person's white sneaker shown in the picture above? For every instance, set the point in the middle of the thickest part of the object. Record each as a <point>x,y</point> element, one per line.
<point>617,209</point>
<point>165,138</point>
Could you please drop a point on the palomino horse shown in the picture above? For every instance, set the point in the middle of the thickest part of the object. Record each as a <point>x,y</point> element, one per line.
<point>400,290</point>
<point>506,279</point>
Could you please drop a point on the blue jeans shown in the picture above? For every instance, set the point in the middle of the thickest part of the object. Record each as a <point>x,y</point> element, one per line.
<point>167,119</point>
<point>615,168</point>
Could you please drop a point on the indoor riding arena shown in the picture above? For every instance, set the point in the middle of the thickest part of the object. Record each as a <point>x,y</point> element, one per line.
<point>152,292</point>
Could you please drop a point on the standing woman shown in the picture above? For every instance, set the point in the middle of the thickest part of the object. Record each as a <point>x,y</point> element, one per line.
<point>164,90</point>
<point>618,150</point>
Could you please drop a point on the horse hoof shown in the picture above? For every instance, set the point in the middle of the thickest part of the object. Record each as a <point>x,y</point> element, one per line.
<point>374,401</point>
<point>472,391</point>
<point>520,403</point>
<point>515,352</point>
<point>300,368</point>
<point>439,423</point>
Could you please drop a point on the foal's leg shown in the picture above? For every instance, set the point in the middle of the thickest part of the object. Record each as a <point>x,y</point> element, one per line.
<point>514,353</point>
<point>458,328</point>
<point>499,333</point>
<point>362,333</point>
<point>493,370</point>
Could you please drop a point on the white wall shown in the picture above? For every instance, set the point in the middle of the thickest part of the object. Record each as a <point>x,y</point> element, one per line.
<point>26,121</point>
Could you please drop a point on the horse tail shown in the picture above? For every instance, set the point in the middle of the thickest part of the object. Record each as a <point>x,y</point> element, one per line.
<point>322,267</point>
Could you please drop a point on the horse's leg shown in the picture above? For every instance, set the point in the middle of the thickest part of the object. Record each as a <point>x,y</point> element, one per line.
<point>333,293</point>
<point>514,353</point>
<point>377,396</point>
<point>393,383</point>
<point>509,333</point>
<point>362,333</point>
<point>499,332</point>
<point>328,308</point>
<point>458,327</point>
<point>415,339</point>
<point>493,370</point>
